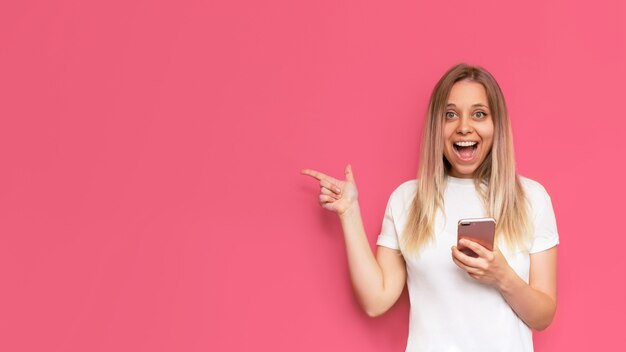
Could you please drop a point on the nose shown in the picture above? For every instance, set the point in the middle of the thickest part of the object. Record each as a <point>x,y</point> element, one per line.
<point>464,126</point>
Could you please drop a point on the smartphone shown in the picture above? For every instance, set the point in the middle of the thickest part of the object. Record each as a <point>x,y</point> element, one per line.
<point>479,230</point>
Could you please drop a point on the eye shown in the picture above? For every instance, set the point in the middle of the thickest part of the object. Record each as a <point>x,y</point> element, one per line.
<point>480,114</point>
<point>450,114</point>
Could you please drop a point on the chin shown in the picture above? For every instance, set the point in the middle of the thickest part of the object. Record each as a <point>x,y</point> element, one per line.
<point>462,171</point>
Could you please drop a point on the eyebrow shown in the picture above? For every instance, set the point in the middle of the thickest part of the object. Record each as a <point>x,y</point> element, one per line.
<point>479,105</point>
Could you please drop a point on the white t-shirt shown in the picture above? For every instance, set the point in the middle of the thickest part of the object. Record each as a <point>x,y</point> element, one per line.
<point>450,311</point>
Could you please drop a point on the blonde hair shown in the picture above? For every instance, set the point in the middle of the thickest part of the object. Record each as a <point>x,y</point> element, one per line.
<point>495,179</point>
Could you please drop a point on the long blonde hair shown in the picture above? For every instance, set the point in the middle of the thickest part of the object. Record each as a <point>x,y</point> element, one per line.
<point>495,179</point>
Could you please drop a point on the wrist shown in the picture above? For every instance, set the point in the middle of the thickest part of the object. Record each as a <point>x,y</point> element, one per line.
<point>350,212</point>
<point>508,281</point>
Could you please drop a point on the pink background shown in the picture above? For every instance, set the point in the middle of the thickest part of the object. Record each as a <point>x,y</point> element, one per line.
<point>150,196</point>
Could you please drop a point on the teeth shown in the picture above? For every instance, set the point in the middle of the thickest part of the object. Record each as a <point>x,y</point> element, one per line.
<point>465,144</point>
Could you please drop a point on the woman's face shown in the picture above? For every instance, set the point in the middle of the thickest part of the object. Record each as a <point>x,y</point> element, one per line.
<point>467,128</point>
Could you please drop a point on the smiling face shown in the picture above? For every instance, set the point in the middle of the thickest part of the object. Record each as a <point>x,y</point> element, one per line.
<point>467,129</point>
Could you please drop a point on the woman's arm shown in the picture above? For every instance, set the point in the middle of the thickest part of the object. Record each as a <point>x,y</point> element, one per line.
<point>377,282</point>
<point>535,302</point>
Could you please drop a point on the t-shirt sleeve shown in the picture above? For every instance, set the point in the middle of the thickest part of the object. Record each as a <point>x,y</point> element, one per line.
<point>388,236</point>
<point>546,235</point>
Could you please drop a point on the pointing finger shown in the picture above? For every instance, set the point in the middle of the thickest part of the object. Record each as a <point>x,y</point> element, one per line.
<point>319,175</point>
<point>315,174</point>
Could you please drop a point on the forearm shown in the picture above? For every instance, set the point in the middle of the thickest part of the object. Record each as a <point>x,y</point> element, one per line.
<point>534,307</point>
<point>365,272</point>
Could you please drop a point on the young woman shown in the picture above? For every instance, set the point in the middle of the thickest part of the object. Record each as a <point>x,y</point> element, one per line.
<point>467,170</point>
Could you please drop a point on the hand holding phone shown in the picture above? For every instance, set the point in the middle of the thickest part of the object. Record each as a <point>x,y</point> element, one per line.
<point>479,230</point>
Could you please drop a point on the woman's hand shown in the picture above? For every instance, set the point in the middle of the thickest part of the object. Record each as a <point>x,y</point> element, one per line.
<point>490,267</point>
<point>336,195</point>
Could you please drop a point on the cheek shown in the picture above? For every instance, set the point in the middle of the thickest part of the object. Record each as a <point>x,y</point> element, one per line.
<point>488,142</point>
<point>486,133</point>
<point>448,130</point>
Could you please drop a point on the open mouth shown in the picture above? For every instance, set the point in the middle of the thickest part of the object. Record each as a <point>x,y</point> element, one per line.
<point>465,150</point>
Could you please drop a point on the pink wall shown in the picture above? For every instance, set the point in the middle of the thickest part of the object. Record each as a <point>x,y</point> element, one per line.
<point>150,196</point>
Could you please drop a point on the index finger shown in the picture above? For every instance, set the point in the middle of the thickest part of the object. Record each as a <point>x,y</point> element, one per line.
<point>464,258</point>
<point>318,175</point>
<point>476,247</point>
